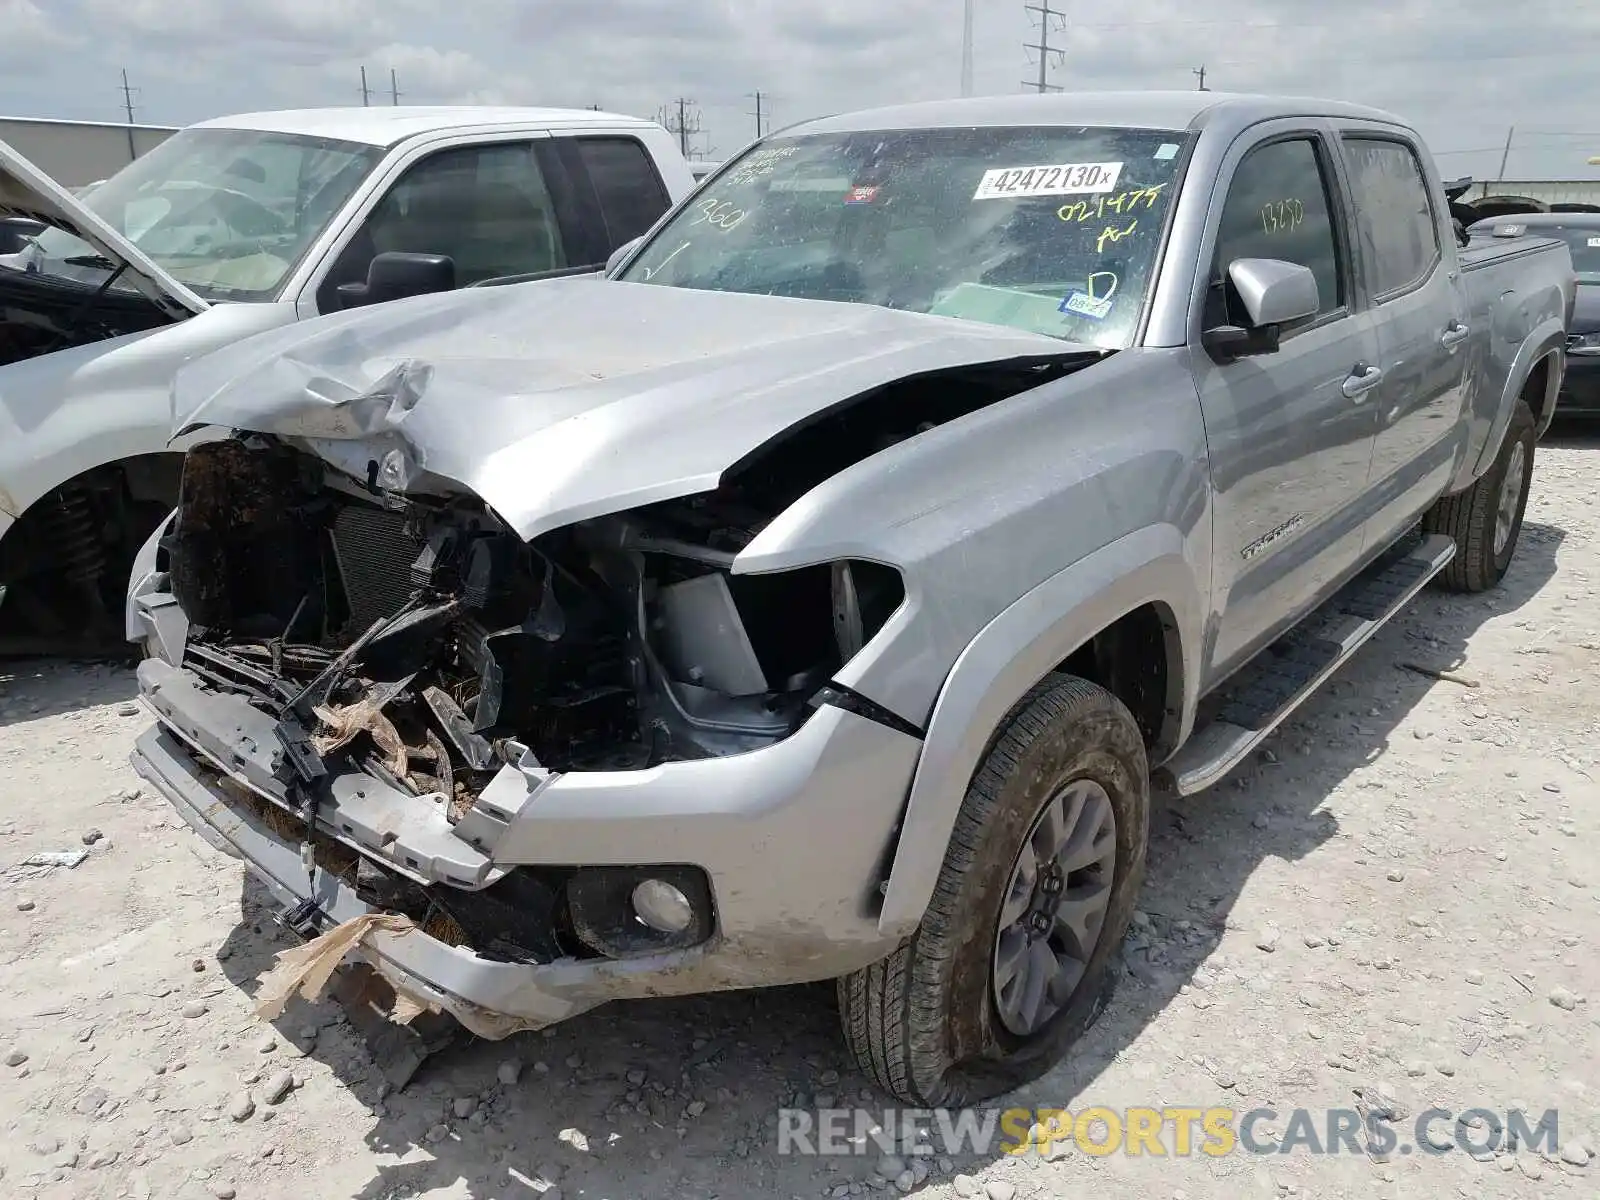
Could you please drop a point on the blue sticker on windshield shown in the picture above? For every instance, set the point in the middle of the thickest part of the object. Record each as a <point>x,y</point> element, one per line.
<point>1081,304</point>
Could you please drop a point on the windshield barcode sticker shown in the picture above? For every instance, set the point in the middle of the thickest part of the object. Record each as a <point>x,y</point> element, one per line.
<point>1084,305</point>
<point>1059,179</point>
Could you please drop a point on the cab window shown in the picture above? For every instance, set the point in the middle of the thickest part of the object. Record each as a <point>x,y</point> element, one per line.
<point>1278,206</point>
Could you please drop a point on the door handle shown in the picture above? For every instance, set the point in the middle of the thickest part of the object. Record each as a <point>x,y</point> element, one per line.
<point>1361,380</point>
<point>1454,335</point>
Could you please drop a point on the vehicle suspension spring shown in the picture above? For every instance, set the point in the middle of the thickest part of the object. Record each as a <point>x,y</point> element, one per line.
<point>77,537</point>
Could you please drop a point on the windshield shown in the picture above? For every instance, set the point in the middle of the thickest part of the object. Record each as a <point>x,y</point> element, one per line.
<point>228,212</point>
<point>1584,244</point>
<point>1052,230</point>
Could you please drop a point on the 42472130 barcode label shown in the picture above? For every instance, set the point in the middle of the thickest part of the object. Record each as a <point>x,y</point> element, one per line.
<point>1055,179</point>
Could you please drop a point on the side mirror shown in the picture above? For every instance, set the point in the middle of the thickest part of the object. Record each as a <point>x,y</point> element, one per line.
<point>622,252</point>
<point>396,274</point>
<point>15,233</point>
<point>1274,293</point>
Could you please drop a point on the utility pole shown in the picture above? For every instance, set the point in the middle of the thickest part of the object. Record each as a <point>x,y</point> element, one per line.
<point>394,89</point>
<point>1505,155</point>
<point>1046,15</point>
<point>966,49</point>
<point>682,124</point>
<point>127,107</point>
<point>1201,72</point>
<point>366,92</point>
<point>758,115</point>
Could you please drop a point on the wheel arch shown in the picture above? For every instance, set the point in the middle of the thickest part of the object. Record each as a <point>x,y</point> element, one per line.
<point>1538,363</point>
<point>149,477</point>
<point>1142,581</point>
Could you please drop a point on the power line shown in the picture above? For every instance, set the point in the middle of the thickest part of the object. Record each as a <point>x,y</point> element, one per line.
<point>1506,153</point>
<point>682,123</point>
<point>1043,44</point>
<point>966,49</point>
<point>1299,59</point>
<point>127,107</point>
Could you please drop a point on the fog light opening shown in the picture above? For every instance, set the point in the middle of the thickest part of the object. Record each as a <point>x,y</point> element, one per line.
<point>662,907</point>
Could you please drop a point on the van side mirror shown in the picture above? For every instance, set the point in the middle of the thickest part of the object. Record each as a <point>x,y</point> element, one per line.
<point>1274,293</point>
<point>622,252</point>
<point>396,274</point>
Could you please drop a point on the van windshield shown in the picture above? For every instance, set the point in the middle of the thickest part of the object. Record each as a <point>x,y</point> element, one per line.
<point>227,212</point>
<point>1054,230</point>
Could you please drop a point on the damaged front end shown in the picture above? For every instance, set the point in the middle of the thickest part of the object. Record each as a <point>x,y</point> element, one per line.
<point>388,681</point>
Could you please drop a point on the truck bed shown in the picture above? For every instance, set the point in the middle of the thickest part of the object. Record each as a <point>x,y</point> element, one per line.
<point>1485,249</point>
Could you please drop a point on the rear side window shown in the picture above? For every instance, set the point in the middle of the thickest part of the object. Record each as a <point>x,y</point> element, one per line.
<point>1278,207</point>
<point>1399,236</point>
<point>625,180</point>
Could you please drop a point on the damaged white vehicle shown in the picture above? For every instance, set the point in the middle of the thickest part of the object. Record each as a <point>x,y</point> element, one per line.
<point>231,227</point>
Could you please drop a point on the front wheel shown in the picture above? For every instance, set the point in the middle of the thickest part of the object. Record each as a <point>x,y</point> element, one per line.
<point>1014,958</point>
<point>1486,519</point>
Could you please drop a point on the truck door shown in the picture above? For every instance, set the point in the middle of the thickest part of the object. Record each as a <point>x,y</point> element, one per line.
<point>1290,433</point>
<point>488,207</point>
<point>1420,315</point>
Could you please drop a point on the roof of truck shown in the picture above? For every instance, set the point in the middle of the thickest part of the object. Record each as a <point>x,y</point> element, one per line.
<point>1135,110</point>
<point>385,126</point>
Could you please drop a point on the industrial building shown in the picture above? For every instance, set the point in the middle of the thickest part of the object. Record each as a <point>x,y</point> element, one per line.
<point>75,153</point>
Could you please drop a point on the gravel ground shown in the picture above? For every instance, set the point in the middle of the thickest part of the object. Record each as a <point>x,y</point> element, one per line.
<point>1395,904</point>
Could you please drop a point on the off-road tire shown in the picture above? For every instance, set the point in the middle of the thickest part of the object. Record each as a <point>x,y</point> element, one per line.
<point>922,1022</point>
<point>1469,517</point>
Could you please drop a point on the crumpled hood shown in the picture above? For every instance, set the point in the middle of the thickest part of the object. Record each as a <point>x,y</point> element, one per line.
<point>567,399</point>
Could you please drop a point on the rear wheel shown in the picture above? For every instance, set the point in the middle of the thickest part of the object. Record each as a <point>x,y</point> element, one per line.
<point>1015,957</point>
<point>1485,521</point>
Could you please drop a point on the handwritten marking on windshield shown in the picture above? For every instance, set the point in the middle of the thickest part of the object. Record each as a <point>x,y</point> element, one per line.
<point>760,164</point>
<point>719,213</point>
<point>1281,216</point>
<point>649,273</point>
<point>1110,288</point>
<point>1112,234</point>
<point>1123,202</point>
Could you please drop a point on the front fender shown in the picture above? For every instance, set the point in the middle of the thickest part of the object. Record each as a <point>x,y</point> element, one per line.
<point>1007,657</point>
<point>150,614</point>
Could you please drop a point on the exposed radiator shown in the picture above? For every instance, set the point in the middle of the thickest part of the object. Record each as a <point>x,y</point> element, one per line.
<point>375,556</point>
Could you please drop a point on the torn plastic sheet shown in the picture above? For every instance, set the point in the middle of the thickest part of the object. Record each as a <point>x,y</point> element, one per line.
<point>344,722</point>
<point>306,969</point>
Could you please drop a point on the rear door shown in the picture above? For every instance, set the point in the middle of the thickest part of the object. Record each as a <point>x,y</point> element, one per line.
<point>1421,320</point>
<point>619,185</point>
<point>1290,434</point>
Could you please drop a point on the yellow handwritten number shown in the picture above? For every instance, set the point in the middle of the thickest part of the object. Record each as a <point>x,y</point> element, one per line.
<point>1122,203</point>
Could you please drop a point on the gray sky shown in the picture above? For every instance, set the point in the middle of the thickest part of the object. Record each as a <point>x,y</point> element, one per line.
<point>1464,70</point>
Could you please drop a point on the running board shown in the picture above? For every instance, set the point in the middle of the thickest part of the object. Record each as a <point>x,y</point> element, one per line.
<point>1268,690</point>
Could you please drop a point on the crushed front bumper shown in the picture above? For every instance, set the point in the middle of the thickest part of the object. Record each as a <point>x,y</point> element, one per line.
<point>794,839</point>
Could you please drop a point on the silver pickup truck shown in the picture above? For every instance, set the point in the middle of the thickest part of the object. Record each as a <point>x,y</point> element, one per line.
<point>815,594</point>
